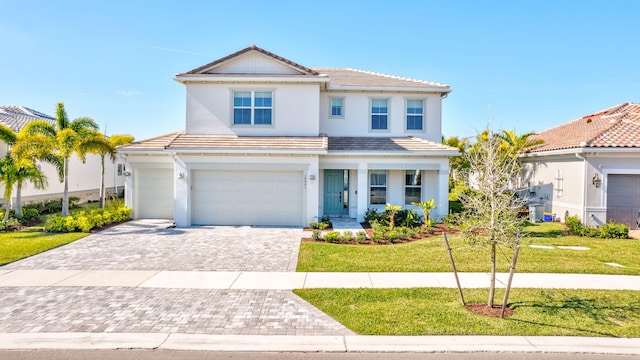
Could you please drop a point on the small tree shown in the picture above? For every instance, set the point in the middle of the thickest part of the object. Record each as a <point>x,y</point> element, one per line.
<point>112,143</point>
<point>491,210</point>
<point>426,207</point>
<point>392,209</point>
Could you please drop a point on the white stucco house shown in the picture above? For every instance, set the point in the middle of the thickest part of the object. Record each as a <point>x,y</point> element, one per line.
<point>84,178</point>
<point>268,141</point>
<point>590,167</point>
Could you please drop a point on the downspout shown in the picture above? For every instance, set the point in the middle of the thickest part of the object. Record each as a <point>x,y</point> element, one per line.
<point>583,217</point>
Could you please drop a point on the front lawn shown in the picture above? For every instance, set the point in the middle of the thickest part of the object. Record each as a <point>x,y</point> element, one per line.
<point>430,255</point>
<point>437,311</point>
<point>24,243</point>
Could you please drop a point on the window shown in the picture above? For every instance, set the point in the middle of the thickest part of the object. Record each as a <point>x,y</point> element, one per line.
<point>412,186</point>
<point>378,187</point>
<point>415,114</point>
<point>252,107</point>
<point>337,108</point>
<point>379,114</point>
<point>120,169</point>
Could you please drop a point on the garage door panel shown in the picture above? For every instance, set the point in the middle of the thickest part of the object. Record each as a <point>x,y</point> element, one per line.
<point>154,192</point>
<point>246,198</point>
<point>623,199</point>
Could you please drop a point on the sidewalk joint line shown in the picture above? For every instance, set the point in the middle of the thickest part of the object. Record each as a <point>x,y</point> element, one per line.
<point>236,279</point>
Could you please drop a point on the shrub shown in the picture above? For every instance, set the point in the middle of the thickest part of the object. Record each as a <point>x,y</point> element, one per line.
<point>55,223</point>
<point>29,215</point>
<point>316,234</point>
<point>612,230</point>
<point>332,236</point>
<point>408,218</point>
<point>372,215</point>
<point>318,225</point>
<point>361,237</point>
<point>87,221</point>
<point>346,236</point>
<point>574,225</point>
<point>10,224</point>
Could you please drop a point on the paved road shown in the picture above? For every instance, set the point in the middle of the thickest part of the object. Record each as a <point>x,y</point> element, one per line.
<point>206,355</point>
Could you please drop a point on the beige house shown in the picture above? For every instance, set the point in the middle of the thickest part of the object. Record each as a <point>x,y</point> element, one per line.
<point>590,167</point>
<point>268,141</point>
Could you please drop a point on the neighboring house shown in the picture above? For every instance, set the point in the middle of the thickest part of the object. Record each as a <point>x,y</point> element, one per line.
<point>272,142</point>
<point>590,167</point>
<point>84,179</point>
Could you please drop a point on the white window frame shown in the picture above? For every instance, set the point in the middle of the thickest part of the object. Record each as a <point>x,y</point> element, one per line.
<point>385,186</point>
<point>120,169</point>
<point>252,107</point>
<point>407,115</point>
<point>388,114</point>
<point>342,107</point>
<point>412,186</point>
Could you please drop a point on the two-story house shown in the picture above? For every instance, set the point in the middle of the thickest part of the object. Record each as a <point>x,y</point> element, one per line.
<point>271,142</point>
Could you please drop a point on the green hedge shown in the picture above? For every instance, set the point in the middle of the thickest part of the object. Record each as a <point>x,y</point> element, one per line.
<point>609,230</point>
<point>86,221</point>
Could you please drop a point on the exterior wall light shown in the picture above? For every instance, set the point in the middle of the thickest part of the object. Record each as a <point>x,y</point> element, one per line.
<point>180,175</point>
<point>596,181</point>
<point>312,177</point>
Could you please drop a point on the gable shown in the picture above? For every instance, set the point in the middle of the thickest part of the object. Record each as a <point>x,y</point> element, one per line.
<point>252,61</point>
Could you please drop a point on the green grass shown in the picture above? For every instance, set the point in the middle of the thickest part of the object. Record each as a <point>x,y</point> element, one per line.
<point>437,311</point>
<point>430,255</point>
<point>21,244</point>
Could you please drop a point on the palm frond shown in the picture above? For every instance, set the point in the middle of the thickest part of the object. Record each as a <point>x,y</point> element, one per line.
<point>7,134</point>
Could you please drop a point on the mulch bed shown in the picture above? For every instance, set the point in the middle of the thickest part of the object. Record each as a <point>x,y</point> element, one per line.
<point>438,229</point>
<point>485,310</point>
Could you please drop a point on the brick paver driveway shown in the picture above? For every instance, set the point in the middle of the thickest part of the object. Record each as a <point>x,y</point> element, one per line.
<point>150,245</point>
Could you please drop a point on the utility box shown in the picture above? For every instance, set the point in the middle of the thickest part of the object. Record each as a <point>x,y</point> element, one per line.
<point>535,212</point>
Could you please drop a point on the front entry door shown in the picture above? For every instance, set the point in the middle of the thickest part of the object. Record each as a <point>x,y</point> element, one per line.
<point>334,192</point>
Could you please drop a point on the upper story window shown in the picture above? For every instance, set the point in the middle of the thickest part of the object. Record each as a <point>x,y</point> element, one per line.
<point>337,108</point>
<point>379,114</point>
<point>252,107</point>
<point>412,186</point>
<point>415,114</point>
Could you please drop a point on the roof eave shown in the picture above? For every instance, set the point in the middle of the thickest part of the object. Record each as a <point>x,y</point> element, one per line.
<point>247,151</point>
<point>433,89</point>
<point>429,153</point>
<point>186,78</point>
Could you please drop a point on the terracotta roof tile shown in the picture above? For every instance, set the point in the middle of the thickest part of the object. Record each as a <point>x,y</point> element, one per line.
<point>355,77</point>
<point>615,127</point>
<point>16,117</point>
<point>152,144</point>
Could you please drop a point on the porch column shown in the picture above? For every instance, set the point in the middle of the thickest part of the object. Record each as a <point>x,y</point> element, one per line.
<point>363,191</point>
<point>443,193</point>
<point>182,198</point>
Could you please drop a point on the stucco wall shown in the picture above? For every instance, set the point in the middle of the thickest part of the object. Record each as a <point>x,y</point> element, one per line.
<point>356,121</point>
<point>209,110</point>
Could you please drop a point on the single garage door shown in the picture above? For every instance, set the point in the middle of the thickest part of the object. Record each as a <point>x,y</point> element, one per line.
<point>246,197</point>
<point>623,199</point>
<point>154,193</point>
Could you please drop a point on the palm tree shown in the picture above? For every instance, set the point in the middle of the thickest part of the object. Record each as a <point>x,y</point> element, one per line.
<point>457,163</point>
<point>113,141</point>
<point>17,171</point>
<point>515,144</point>
<point>55,144</point>
<point>14,172</point>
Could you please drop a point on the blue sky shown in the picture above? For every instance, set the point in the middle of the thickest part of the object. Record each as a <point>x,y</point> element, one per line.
<point>521,65</point>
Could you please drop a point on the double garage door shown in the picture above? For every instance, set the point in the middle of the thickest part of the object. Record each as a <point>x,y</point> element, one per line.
<point>623,199</point>
<point>246,197</point>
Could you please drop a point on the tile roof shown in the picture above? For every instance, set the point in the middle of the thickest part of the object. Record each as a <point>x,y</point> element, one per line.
<point>202,68</point>
<point>355,77</point>
<point>615,127</point>
<point>179,141</point>
<point>386,144</point>
<point>16,117</point>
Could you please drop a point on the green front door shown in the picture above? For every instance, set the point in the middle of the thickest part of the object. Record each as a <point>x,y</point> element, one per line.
<point>334,192</point>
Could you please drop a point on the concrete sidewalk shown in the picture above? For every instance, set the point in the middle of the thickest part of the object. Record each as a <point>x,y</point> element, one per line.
<point>247,280</point>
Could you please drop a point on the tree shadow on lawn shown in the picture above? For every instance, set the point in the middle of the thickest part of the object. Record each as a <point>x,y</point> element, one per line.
<point>580,308</point>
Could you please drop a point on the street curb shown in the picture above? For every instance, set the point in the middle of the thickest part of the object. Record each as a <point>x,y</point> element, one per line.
<point>349,343</point>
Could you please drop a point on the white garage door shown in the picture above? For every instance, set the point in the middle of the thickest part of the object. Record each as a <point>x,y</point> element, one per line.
<point>154,193</point>
<point>246,197</point>
<point>623,199</point>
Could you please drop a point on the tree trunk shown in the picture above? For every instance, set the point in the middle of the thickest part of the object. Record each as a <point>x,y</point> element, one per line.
<point>6,212</point>
<point>65,194</point>
<point>102,189</point>
<point>18,205</point>
<point>492,286</point>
